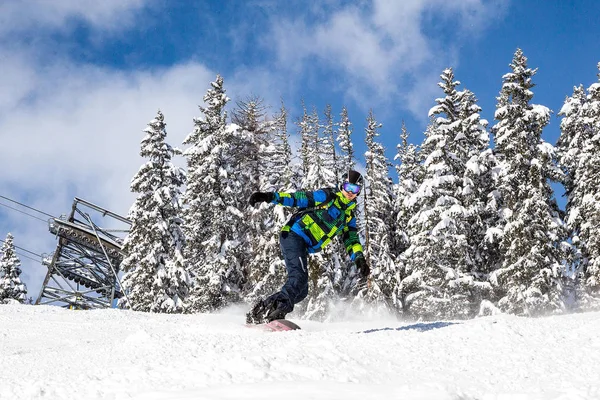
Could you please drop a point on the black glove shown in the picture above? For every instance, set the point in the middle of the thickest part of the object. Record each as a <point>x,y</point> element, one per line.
<point>260,197</point>
<point>363,267</point>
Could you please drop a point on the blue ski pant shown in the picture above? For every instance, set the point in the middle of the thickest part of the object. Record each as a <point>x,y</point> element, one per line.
<point>295,289</point>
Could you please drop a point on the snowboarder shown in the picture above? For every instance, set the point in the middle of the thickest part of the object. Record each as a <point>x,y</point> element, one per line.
<point>324,213</point>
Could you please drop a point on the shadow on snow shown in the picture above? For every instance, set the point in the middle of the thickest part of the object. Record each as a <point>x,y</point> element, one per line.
<point>421,327</point>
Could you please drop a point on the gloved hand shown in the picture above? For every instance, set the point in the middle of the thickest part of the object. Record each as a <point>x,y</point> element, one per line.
<point>363,267</point>
<point>260,197</point>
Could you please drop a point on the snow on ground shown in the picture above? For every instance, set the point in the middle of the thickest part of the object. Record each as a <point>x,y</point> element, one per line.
<point>53,353</point>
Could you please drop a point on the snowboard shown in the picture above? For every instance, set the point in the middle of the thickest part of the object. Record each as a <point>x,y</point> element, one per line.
<point>277,325</point>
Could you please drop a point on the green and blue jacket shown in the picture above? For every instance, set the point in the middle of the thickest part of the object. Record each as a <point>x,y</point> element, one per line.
<point>324,214</point>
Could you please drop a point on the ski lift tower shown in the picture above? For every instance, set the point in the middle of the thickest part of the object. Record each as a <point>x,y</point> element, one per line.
<point>83,271</point>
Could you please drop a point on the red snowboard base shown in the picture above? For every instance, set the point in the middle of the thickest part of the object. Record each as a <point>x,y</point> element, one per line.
<point>277,325</point>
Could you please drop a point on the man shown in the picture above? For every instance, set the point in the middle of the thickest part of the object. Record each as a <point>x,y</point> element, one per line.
<point>324,214</point>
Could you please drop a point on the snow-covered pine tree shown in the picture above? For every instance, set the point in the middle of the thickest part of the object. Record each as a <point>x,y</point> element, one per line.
<point>410,175</point>
<point>575,134</point>
<point>344,139</point>
<point>479,196</point>
<point>530,277</point>
<point>443,275</point>
<point>263,150</point>
<point>308,138</point>
<point>313,156</point>
<point>439,252</point>
<point>331,172</point>
<point>156,277</point>
<point>412,287</point>
<point>11,286</point>
<point>590,205</point>
<point>252,137</point>
<point>247,158</point>
<point>212,197</point>
<point>579,149</point>
<point>324,267</point>
<point>283,170</point>
<point>379,222</point>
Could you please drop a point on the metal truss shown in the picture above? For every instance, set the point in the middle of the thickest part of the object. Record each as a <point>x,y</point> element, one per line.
<point>83,271</point>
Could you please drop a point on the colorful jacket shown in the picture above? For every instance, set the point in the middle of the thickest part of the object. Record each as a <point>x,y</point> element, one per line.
<point>324,214</point>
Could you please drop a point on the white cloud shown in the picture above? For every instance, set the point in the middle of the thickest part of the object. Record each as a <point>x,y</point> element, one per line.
<point>85,121</point>
<point>18,80</point>
<point>113,15</point>
<point>76,132</point>
<point>381,46</point>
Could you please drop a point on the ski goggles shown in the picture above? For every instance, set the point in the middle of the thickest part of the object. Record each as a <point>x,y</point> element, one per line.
<point>351,188</point>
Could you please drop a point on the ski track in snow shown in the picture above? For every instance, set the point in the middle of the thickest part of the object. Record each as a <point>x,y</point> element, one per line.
<point>53,353</point>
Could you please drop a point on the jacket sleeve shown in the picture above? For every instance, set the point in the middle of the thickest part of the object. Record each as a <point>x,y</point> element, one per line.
<point>351,240</point>
<point>302,199</point>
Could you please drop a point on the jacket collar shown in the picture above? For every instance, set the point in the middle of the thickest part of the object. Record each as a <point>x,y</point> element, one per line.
<point>343,201</point>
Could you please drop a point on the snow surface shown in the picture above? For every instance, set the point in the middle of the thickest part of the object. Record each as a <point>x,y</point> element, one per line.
<point>52,353</point>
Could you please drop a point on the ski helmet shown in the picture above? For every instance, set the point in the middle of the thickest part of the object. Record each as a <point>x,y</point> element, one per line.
<point>353,177</point>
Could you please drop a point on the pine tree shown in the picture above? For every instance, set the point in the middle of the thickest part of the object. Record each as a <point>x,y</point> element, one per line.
<point>281,167</point>
<point>478,196</point>
<point>247,152</point>
<point>213,206</point>
<point>579,149</point>
<point>379,222</point>
<point>264,150</point>
<point>575,134</point>
<point>444,279</point>
<point>590,206</point>
<point>319,159</point>
<point>308,140</point>
<point>11,286</point>
<point>247,161</point>
<point>529,279</point>
<point>156,277</point>
<point>330,164</point>
<point>344,139</point>
<point>268,272</point>
<point>410,175</point>
<point>315,176</point>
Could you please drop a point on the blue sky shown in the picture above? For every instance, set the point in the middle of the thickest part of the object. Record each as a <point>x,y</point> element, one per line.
<point>240,39</point>
<point>82,78</point>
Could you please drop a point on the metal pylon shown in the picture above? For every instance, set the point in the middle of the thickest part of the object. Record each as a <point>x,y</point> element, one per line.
<point>83,271</point>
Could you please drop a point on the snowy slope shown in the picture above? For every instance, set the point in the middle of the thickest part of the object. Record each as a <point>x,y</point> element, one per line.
<point>52,353</point>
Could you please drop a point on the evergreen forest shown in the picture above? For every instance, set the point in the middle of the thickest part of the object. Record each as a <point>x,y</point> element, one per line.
<point>467,229</point>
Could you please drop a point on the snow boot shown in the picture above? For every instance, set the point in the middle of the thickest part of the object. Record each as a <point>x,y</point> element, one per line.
<point>276,312</point>
<point>266,311</point>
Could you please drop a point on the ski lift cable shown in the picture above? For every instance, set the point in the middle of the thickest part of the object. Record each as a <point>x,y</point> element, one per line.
<point>21,248</point>
<point>26,206</point>
<point>26,256</point>
<point>22,212</point>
